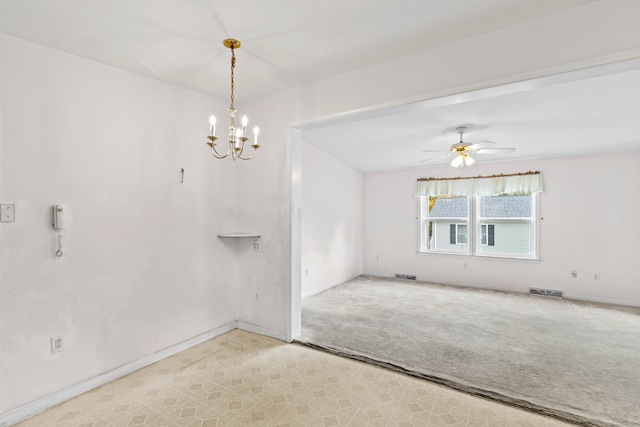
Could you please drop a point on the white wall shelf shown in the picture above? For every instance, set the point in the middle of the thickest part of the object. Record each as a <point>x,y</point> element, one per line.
<point>238,234</point>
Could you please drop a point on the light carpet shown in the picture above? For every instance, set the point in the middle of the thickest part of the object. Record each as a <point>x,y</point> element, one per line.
<point>572,360</point>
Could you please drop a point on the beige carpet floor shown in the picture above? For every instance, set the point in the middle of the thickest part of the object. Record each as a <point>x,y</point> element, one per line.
<point>573,360</point>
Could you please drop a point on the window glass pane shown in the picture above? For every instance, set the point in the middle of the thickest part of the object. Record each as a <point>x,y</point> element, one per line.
<point>507,206</point>
<point>441,237</point>
<point>446,224</point>
<point>506,225</point>
<point>461,233</point>
<point>448,207</point>
<point>508,238</point>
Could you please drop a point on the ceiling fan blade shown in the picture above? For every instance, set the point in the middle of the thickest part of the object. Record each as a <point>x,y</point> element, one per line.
<point>494,150</point>
<point>433,158</point>
<point>477,145</point>
<point>435,151</point>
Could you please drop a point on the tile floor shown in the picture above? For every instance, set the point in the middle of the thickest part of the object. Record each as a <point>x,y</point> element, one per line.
<point>243,379</point>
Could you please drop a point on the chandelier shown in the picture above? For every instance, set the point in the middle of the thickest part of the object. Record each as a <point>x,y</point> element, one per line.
<point>237,136</point>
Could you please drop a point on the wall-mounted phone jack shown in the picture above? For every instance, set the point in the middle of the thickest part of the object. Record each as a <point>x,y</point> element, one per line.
<point>59,252</point>
<point>59,223</point>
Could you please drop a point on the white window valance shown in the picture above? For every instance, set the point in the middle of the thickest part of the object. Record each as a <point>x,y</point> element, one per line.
<point>528,182</point>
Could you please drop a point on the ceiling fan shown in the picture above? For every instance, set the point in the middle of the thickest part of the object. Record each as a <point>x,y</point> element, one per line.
<point>462,150</point>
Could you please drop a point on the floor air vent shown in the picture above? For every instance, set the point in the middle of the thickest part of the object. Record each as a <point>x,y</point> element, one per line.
<point>405,276</point>
<point>546,292</point>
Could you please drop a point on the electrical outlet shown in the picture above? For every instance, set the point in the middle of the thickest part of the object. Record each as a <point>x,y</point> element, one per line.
<point>57,344</point>
<point>596,276</point>
<point>256,245</point>
<point>258,296</point>
<point>7,212</point>
<point>574,274</point>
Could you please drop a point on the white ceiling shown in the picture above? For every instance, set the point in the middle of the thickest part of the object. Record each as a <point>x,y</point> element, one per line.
<point>286,43</point>
<point>591,111</point>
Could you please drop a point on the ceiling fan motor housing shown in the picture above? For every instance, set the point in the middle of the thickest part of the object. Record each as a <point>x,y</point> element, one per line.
<point>459,147</point>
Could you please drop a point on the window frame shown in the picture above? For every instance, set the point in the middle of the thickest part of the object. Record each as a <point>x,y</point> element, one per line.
<point>474,229</point>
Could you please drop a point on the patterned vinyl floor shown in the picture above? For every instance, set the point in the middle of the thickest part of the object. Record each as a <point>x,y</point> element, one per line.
<point>243,379</point>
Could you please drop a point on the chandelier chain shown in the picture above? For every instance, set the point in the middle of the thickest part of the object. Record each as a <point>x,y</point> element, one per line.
<point>233,66</point>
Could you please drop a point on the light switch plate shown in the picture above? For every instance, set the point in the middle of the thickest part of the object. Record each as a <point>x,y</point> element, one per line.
<point>7,213</point>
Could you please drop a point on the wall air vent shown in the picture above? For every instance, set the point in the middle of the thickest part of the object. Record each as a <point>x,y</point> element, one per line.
<point>546,292</point>
<point>405,276</point>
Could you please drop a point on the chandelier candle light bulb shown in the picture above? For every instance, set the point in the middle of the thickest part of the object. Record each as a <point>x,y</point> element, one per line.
<point>238,140</point>
<point>256,131</point>
<point>212,128</point>
<point>237,136</point>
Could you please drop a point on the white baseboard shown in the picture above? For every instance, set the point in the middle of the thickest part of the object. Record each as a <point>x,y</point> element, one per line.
<point>318,291</point>
<point>602,300</point>
<point>260,331</point>
<point>23,412</point>
<point>522,291</point>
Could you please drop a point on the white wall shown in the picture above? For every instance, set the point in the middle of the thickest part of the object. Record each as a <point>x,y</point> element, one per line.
<point>592,34</point>
<point>142,268</point>
<point>331,221</point>
<point>586,204</point>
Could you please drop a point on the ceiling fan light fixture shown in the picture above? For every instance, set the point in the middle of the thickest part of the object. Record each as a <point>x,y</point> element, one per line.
<point>468,160</point>
<point>458,161</point>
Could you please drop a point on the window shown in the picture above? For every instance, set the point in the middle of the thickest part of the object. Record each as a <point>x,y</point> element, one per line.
<point>510,223</point>
<point>487,234</point>
<point>458,234</point>
<point>496,226</point>
<point>445,224</point>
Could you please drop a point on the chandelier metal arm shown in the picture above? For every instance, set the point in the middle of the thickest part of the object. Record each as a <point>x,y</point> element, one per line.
<point>212,143</point>
<point>217,155</point>
<point>239,156</point>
